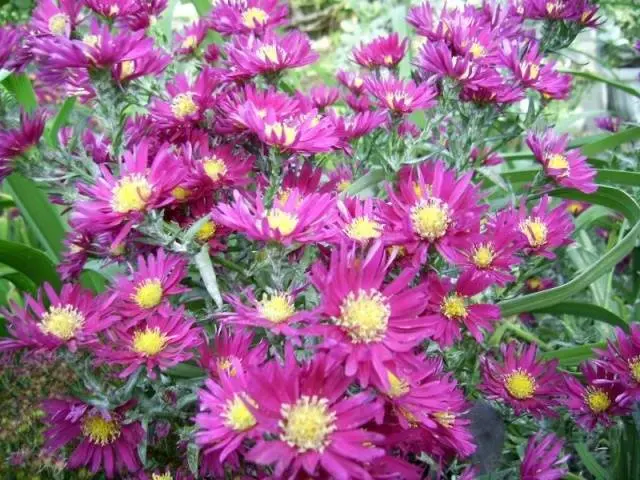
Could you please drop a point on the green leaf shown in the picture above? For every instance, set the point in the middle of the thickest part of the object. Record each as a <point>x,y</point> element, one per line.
<point>43,219</point>
<point>93,281</point>
<point>21,282</point>
<point>202,7</point>
<point>32,263</point>
<point>610,197</point>
<point>591,463</point>
<point>572,356</point>
<point>585,310</point>
<point>371,179</point>
<point>60,121</point>
<point>205,267</point>
<point>20,87</point>
<point>186,370</point>
<point>611,141</point>
<point>624,86</point>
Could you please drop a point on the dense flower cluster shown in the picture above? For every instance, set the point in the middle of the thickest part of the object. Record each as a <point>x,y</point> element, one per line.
<point>225,208</point>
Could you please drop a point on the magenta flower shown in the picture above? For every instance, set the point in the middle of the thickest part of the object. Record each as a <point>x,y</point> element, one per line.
<point>188,41</point>
<point>305,133</point>
<point>610,124</point>
<point>622,358</point>
<point>359,124</point>
<point>538,284</point>
<point>113,9</point>
<point>543,230</point>
<point>370,323</point>
<point>117,204</point>
<point>299,218</point>
<point>524,383</point>
<point>399,97</point>
<point>143,14</point>
<point>528,69</point>
<point>225,419</point>
<point>450,307</point>
<point>153,63</point>
<point>541,460</point>
<point>15,142</point>
<point>568,168</point>
<point>71,319</point>
<point>58,19</point>
<point>551,9</point>
<point>594,402</point>
<point>275,311</point>
<point>10,38</point>
<point>433,207</point>
<point>251,16</point>
<point>492,257</point>
<point>102,441</point>
<point>359,221</point>
<point>435,58</point>
<point>156,278</point>
<point>163,339</point>
<point>358,103</point>
<point>227,348</point>
<point>249,56</point>
<point>323,96</point>
<point>420,17</point>
<point>306,178</point>
<point>313,426</point>
<point>387,51</point>
<point>353,81</point>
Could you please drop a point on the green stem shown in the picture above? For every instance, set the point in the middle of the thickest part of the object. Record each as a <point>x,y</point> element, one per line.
<point>526,335</point>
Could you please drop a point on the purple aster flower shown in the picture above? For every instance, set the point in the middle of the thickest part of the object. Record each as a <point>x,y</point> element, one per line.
<point>359,221</point>
<point>387,51</point>
<point>358,103</point>
<point>190,38</point>
<point>323,96</point>
<point>359,124</point>
<point>10,37</point>
<point>143,14</point>
<point>622,358</point>
<point>113,9</point>
<point>221,353</point>
<point>437,59</point>
<point>51,18</point>
<point>610,124</point>
<point>352,80</point>
<point>568,168</point>
<point>400,97</point>
<point>542,459</point>
<point>231,17</point>
<point>407,128</point>
<point>154,63</point>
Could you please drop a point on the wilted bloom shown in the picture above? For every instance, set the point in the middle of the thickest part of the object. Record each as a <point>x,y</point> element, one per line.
<point>359,220</point>
<point>538,284</point>
<point>251,56</point>
<point>117,204</point>
<point>323,96</point>
<point>433,207</point>
<point>187,41</point>
<point>352,80</point>
<point>54,18</point>
<point>227,347</point>
<point>542,459</point>
<point>250,16</point>
<point>225,419</point>
<point>370,322</point>
<point>543,230</point>
<point>275,311</point>
<point>488,156</point>
<point>596,402</point>
<point>401,97</point>
<point>155,279</point>
<point>522,381</point>
<point>314,426</point>
<point>407,128</point>
<point>299,218</point>
<point>163,339</point>
<point>610,124</point>
<point>568,168</point>
<point>387,51</point>
<point>102,441</point>
<point>450,307</point>
<point>14,143</point>
<point>622,358</point>
<point>71,318</point>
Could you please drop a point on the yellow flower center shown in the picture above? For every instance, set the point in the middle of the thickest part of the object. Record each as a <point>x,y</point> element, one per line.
<point>254,17</point>
<point>634,366</point>
<point>534,70</point>
<point>520,384</point>
<point>397,386</point>
<point>268,53</point>
<point>277,308</point>
<point>358,82</point>
<point>206,231</point>
<point>114,10</point>
<point>483,256</point>
<point>284,133</point>
<point>62,322</point>
<point>446,419</point>
<point>388,60</point>
<point>180,193</point>
<point>554,6</point>
<point>535,230</point>
<point>215,168</point>
<point>282,221</point>
<point>477,50</point>
<point>148,294</point>
<point>534,283</point>
<point>237,415</point>
<point>162,476</point>
<point>58,23</point>
<point>558,162</point>
<point>398,97</point>
<point>225,364</point>
<point>365,316</point>
<point>307,424</point>
<point>344,185</point>
<point>91,40</point>
<point>99,430</point>
<point>183,105</point>
<point>454,308</point>
<point>149,341</point>
<point>131,194</point>
<point>363,228</point>
<point>574,208</point>
<point>598,400</point>
<point>430,219</point>
<point>127,68</point>
<point>189,42</point>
